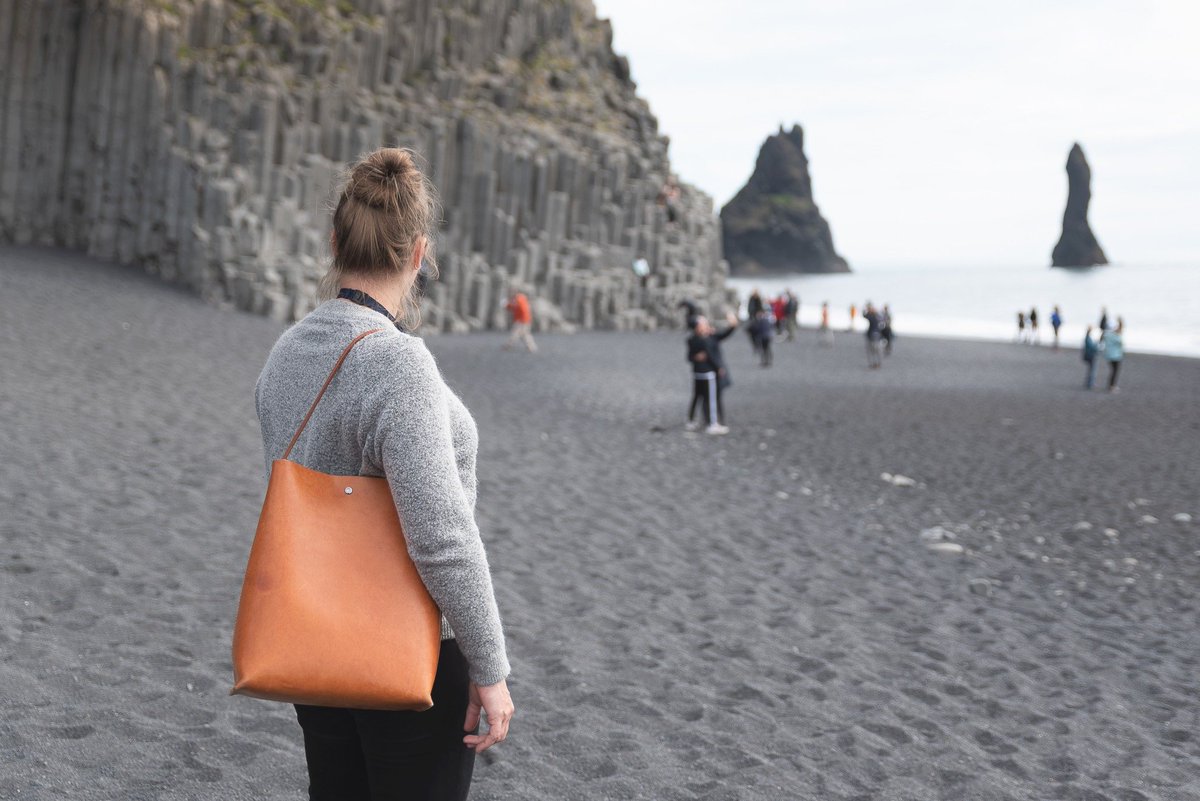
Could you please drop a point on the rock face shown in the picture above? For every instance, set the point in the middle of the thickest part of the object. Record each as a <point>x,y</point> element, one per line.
<point>772,225</point>
<point>1077,247</point>
<point>203,140</point>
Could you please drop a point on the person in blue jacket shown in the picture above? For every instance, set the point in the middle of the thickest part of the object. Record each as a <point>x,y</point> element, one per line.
<point>1090,348</point>
<point>1114,351</point>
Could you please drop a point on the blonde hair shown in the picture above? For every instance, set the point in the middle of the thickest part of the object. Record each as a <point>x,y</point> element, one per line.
<point>386,207</point>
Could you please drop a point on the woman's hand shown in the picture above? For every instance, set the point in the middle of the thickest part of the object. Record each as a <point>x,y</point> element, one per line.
<point>497,707</point>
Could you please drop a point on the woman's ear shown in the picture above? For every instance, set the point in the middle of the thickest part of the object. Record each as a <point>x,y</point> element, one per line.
<point>419,253</point>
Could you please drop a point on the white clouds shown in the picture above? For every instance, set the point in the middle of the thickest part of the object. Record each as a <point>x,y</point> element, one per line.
<point>939,129</point>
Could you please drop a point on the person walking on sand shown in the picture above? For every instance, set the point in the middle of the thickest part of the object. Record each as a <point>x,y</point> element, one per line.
<point>1114,352</point>
<point>709,375</point>
<point>853,314</point>
<point>754,305</point>
<point>517,307</point>
<point>1034,336</point>
<point>874,333</point>
<point>765,332</point>
<point>390,414</point>
<point>825,333</point>
<point>791,313</point>
<point>1056,323</point>
<point>1020,326</point>
<point>885,329</point>
<point>1090,349</point>
<point>1103,321</point>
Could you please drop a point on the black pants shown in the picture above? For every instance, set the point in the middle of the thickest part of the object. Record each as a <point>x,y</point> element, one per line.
<point>706,390</point>
<point>766,352</point>
<point>1113,368</point>
<point>369,755</point>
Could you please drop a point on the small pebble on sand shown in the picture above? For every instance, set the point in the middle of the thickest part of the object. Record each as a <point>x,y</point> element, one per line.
<point>1111,533</point>
<point>980,586</point>
<point>936,534</point>
<point>898,480</point>
<point>1082,525</point>
<point>1182,517</point>
<point>1148,520</point>
<point>945,547</point>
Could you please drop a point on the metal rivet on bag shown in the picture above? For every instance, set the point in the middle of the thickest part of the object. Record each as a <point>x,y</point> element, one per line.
<point>349,490</point>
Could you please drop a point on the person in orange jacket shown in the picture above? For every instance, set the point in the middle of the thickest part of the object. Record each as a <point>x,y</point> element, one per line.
<point>522,321</point>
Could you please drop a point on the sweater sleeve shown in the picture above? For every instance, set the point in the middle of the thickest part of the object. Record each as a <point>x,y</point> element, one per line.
<point>413,442</point>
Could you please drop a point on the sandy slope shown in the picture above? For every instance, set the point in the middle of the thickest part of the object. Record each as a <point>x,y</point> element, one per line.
<point>749,617</point>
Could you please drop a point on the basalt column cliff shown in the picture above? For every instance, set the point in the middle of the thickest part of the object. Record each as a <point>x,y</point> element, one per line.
<point>1077,247</point>
<point>203,139</point>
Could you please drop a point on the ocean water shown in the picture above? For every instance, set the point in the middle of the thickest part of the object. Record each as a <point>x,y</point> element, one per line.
<point>1160,304</point>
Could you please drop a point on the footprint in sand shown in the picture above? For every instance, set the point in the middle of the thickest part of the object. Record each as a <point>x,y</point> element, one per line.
<point>71,732</point>
<point>993,744</point>
<point>893,734</point>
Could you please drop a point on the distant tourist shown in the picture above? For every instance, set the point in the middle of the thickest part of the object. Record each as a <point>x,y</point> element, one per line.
<point>885,329</point>
<point>791,313</point>
<point>853,314</point>
<point>825,333</point>
<point>1020,326</point>
<point>390,414</point>
<point>522,322</point>
<point>1034,337</point>
<point>641,268</point>
<point>764,331</point>
<point>754,305</point>
<point>709,375</point>
<point>1103,321</point>
<point>778,308</point>
<point>1056,323</point>
<point>668,198</point>
<point>874,334</point>
<point>1090,349</point>
<point>1114,351</point>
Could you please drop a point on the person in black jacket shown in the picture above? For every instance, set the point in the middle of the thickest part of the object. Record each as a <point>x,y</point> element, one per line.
<point>754,305</point>
<point>709,374</point>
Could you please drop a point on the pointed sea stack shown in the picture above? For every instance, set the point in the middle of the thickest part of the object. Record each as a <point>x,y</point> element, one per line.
<point>1078,246</point>
<point>772,224</point>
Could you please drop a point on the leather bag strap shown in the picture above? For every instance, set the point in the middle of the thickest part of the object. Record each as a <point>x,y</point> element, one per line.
<point>325,386</point>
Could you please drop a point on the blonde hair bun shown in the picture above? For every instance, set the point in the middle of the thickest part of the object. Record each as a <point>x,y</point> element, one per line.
<point>378,180</point>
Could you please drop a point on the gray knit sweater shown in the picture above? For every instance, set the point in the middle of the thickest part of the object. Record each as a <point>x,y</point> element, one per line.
<point>389,413</point>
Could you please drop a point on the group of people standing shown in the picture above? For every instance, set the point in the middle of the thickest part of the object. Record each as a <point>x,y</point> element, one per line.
<point>1027,326</point>
<point>1109,345</point>
<point>767,319</point>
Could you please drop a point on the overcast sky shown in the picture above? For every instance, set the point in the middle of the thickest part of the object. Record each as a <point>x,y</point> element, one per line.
<point>938,130</point>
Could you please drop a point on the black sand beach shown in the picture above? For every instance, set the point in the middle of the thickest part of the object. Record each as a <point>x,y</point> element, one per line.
<point>756,616</point>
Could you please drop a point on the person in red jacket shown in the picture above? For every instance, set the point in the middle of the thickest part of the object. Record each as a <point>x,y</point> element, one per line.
<point>522,321</point>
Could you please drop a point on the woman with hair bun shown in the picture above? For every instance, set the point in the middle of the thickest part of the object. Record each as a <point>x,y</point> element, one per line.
<point>389,413</point>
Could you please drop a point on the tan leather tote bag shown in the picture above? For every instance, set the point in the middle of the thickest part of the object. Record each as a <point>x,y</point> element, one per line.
<point>333,612</point>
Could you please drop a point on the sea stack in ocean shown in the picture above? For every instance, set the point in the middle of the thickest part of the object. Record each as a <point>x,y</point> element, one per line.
<point>1077,247</point>
<point>772,225</point>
